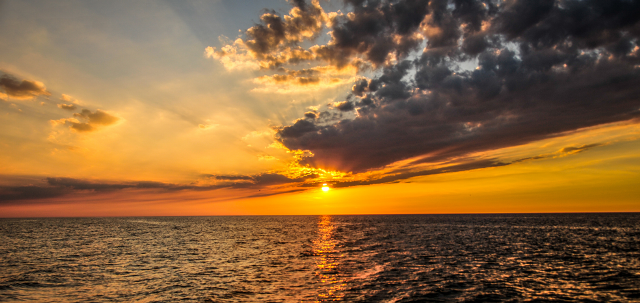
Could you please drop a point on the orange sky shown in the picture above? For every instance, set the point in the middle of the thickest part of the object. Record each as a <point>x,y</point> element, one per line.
<point>206,109</point>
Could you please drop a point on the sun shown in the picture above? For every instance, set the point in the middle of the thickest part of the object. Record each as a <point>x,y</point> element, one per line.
<point>325,187</point>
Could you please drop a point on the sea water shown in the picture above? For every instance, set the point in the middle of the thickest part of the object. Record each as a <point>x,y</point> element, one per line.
<point>367,258</point>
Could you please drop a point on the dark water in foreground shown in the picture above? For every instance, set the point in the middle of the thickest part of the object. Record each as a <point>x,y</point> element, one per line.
<point>448,258</point>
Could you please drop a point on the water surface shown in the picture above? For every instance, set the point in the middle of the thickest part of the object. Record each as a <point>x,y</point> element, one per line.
<point>404,258</point>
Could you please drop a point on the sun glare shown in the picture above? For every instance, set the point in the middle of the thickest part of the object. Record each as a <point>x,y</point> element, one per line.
<point>325,187</point>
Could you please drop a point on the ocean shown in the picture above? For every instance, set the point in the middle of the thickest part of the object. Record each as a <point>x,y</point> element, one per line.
<point>361,258</point>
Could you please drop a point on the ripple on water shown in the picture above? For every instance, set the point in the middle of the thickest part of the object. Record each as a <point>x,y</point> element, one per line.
<point>464,258</point>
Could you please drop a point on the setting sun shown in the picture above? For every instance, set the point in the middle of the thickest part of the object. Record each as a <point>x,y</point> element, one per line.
<point>185,150</point>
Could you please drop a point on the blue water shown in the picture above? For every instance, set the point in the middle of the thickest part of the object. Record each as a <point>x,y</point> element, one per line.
<point>412,258</point>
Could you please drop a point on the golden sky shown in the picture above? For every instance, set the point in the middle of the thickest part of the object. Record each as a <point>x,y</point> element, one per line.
<point>225,108</point>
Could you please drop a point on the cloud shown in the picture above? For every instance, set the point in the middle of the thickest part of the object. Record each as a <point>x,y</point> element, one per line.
<point>267,158</point>
<point>290,84</point>
<point>12,193</point>
<point>67,106</point>
<point>230,177</point>
<point>87,121</point>
<point>565,151</point>
<point>298,129</point>
<point>207,126</point>
<point>344,106</point>
<point>288,80</point>
<point>98,117</point>
<point>58,187</point>
<point>377,33</point>
<point>272,183</point>
<point>392,178</point>
<point>541,73</point>
<point>303,22</point>
<point>69,99</point>
<point>256,181</point>
<point>25,89</point>
<point>274,41</point>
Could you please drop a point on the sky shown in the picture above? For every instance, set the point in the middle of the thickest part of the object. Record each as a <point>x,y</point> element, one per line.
<point>172,108</point>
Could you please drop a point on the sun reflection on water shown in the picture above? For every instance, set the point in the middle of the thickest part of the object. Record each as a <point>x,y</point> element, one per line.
<point>332,286</point>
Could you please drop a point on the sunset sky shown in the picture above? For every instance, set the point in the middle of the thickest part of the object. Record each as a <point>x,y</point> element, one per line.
<point>153,108</point>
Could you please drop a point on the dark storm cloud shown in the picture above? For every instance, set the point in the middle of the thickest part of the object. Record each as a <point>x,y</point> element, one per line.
<point>544,68</point>
<point>375,29</point>
<point>22,89</point>
<point>298,129</point>
<point>582,24</point>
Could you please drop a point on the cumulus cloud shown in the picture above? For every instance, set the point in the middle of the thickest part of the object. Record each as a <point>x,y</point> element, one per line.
<point>301,127</point>
<point>304,21</point>
<point>543,68</point>
<point>25,89</point>
<point>274,41</point>
<point>344,106</point>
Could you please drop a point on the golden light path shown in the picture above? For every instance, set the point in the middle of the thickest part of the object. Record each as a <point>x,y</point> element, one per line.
<point>332,285</point>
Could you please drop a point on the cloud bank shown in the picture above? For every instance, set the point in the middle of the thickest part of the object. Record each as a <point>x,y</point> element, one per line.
<point>539,69</point>
<point>60,186</point>
<point>543,68</point>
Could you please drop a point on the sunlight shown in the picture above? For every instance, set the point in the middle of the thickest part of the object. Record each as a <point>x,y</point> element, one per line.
<point>325,187</point>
